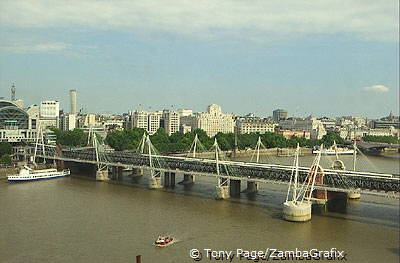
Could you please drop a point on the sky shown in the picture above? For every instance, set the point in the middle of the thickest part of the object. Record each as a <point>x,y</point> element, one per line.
<point>321,58</point>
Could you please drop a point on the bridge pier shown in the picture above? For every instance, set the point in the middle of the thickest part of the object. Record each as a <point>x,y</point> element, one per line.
<point>169,180</point>
<point>222,192</point>
<point>234,187</point>
<point>354,195</point>
<point>116,172</point>
<point>155,182</point>
<point>297,211</point>
<point>166,179</point>
<point>102,175</point>
<point>252,187</point>
<point>188,179</point>
<point>337,202</point>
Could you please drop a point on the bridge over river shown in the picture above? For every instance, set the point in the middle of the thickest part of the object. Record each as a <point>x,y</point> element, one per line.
<point>316,185</point>
<point>334,180</point>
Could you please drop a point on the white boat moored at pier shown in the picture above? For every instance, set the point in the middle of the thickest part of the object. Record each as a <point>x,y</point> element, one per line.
<point>28,174</point>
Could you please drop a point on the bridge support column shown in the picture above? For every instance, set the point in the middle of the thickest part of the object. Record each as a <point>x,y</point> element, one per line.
<point>102,175</point>
<point>169,180</point>
<point>297,212</point>
<point>166,179</point>
<point>222,192</point>
<point>116,172</point>
<point>234,188</point>
<point>155,183</point>
<point>119,173</point>
<point>252,187</point>
<point>353,195</point>
<point>172,180</point>
<point>188,179</point>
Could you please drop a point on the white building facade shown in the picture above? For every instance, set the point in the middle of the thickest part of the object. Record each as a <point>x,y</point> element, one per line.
<point>213,121</point>
<point>310,124</point>
<point>254,125</point>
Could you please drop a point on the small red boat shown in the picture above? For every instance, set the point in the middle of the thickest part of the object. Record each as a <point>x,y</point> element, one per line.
<point>163,241</point>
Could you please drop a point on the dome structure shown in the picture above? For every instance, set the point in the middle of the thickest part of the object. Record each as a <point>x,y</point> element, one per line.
<point>12,117</point>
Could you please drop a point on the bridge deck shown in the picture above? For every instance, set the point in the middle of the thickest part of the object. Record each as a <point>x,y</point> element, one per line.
<point>337,180</point>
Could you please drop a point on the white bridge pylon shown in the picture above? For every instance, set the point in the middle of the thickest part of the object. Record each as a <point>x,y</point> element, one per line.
<point>297,206</point>
<point>39,142</point>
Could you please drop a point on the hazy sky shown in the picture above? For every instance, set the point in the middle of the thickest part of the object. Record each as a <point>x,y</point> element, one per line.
<point>326,58</point>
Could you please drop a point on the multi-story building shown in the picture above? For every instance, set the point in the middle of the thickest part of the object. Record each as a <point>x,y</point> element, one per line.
<point>279,115</point>
<point>140,119</point>
<point>49,113</point>
<point>49,109</point>
<point>310,124</point>
<point>68,121</point>
<point>254,125</point>
<point>296,133</point>
<point>170,121</point>
<point>185,128</point>
<point>185,112</point>
<point>149,121</point>
<point>213,121</point>
<point>89,120</point>
<point>15,123</point>
<point>153,122</point>
<point>386,122</point>
<point>33,111</point>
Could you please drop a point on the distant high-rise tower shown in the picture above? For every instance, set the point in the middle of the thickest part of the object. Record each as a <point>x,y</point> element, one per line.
<point>72,98</point>
<point>13,92</point>
<point>279,114</point>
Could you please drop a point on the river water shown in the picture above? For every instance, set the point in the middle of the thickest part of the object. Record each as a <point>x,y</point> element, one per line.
<point>76,219</point>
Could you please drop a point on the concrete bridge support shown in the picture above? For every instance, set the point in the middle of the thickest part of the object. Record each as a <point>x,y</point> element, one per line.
<point>166,179</point>
<point>188,179</point>
<point>234,188</point>
<point>297,211</point>
<point>338,202</point>
<point>252,187</point>
<point>155,182</point>
<point>222,192</point>
<point>354,195</point>
<point>102,175</point>
<point>116,173</point>
<point>169,180</point>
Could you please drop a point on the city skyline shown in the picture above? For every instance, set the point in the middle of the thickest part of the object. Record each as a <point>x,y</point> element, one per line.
<point>305,60</point>
<point>65,105</point>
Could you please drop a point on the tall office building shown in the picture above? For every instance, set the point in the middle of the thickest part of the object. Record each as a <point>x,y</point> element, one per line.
<point>171,121</point>
<point>68,122</point>
<point>140,119</point>
<point>72,98</point>
<point>279,114</point>
<point>153,122</point>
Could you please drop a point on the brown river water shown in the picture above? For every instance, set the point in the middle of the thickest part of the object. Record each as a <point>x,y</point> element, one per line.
<point>76,219</point>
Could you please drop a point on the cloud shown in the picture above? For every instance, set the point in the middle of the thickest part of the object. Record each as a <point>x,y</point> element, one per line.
<point>376,89</point>
<point>210,19</point>
<point>41,47</point>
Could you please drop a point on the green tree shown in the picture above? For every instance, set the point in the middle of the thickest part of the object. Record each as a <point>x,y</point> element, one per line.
<point>382,139</point>
<point>5,148</point>
<point>76,137</point>
<point>125,140</point>
<point>272,140</point>
<point>330,137</point>
<point>5,159</point>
